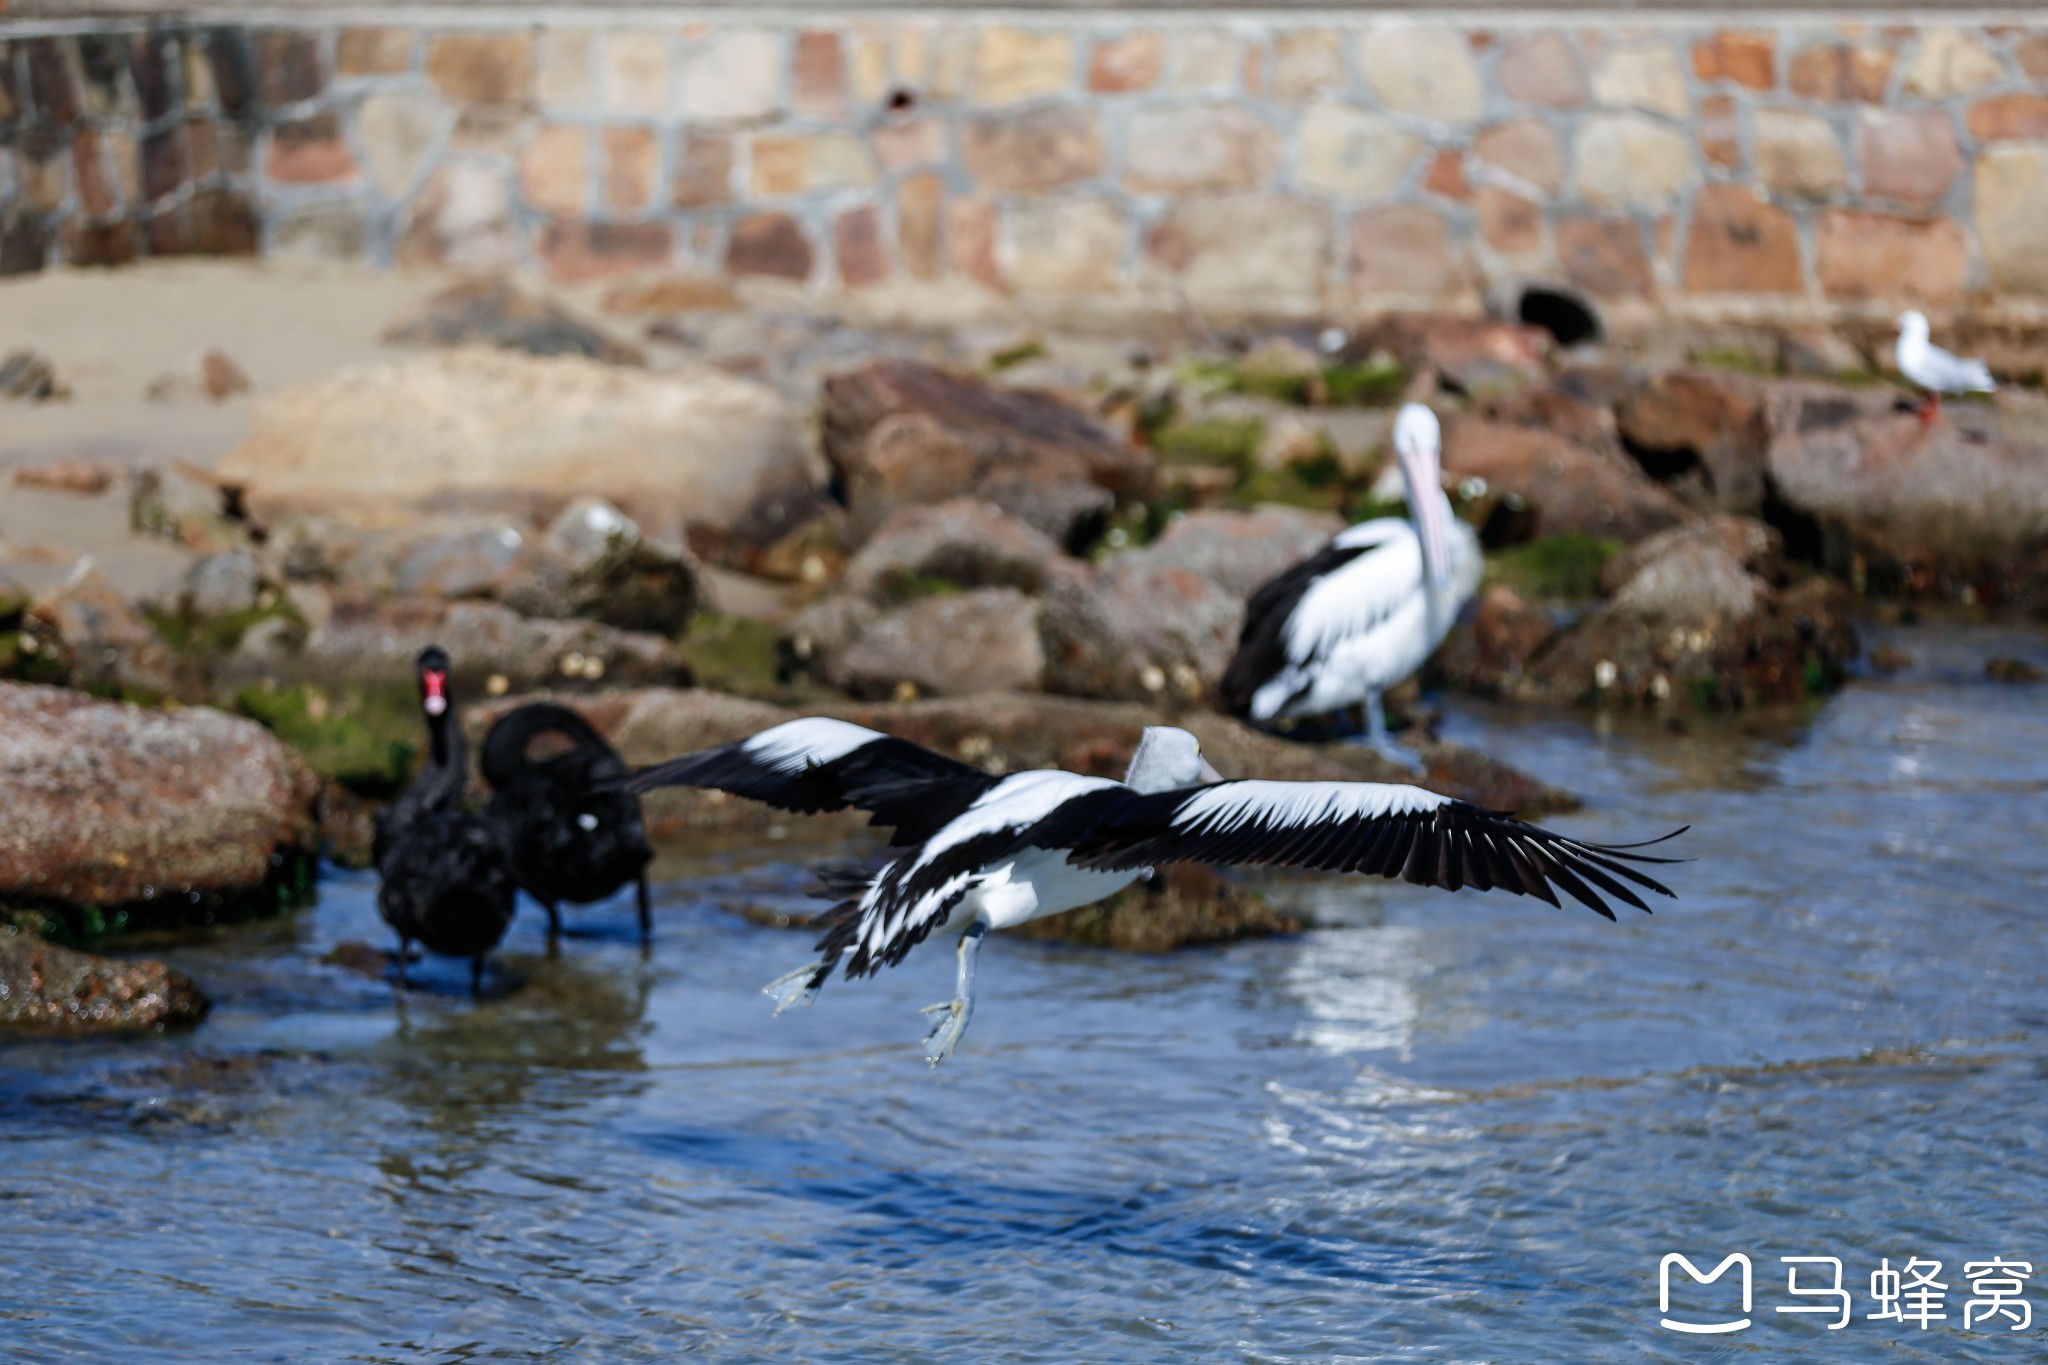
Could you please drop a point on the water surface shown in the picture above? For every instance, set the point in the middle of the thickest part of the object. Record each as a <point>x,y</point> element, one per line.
<point>1445,1128</point>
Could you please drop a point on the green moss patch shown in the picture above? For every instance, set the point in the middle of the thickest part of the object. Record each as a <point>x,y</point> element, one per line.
<point>364,740</point>
<point>1556,568</point>
<point>733,654</point>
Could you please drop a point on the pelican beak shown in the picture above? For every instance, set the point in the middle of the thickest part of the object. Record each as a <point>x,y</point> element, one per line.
<point>1209,773</point>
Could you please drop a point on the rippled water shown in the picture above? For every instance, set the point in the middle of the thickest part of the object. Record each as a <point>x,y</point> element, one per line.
<point>1448,1128</point>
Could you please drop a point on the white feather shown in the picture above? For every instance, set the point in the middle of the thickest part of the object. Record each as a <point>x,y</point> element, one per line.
<point>1932,368</point>
<point>1297,805</point>
<point>797,744</point>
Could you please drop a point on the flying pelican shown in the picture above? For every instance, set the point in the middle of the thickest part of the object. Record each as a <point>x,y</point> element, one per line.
<point>1934,369</point>
<point>1366,610</point>
<point>973,852</point>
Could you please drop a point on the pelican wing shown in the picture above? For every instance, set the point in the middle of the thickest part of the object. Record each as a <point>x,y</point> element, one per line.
<point>1379,829</point>
<point>819,764</point>
<point>1357,598</point>
<point>1277,633</point>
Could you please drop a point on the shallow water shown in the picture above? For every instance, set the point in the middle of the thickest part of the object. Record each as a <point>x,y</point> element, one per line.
<point>1442,1128</point>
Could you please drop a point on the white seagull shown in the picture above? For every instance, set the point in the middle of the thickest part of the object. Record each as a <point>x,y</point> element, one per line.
<point>1934,369</point>
<point>973,852</point>
<point>1366,610</point>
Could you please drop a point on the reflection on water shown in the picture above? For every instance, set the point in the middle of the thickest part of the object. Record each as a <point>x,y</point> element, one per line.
<point>1446,1128</point>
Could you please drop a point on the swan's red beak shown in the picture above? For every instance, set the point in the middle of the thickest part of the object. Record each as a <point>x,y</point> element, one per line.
<point>434,691</point>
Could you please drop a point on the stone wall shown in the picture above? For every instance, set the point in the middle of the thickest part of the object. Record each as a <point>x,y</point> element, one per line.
<point>1272,163</point>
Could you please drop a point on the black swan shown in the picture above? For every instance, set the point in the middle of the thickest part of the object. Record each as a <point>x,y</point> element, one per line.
<point>575,836</point>
<point>446,876</point>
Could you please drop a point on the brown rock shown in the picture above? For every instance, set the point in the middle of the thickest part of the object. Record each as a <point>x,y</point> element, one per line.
<point>482,68</point>
<point>1307,62</point>
<point>1512,225</point>
<point>1909,155</point>
<point>1604,256</point>
<point>1720,129</point>
<point>673,294</point>
<point>1120,65</point>
<point>1704,433</point>
<point>212,375</point>
<point>2009,116</point>
<point>857,245</point>
<point>374,51</point>
<point>554,170</point>
<point>1446,176</point>
<point>703,170</point>
<point>1839,73</point>
<point>903,143</point>
<point>1137,631</point>
<point>1214,147</point>
<point>2031,51</point>
<point>1237,551</point>
<point>1471,354</point>
<point>2010,187</point>
<point>1884,256</point>
<point>1036,150</point>
<point>952,645</point>
<point>492,311</point>
<point>1405,250</point>
<point>72,474</point>
<point>590,251</point>
<point>1758,548</point>
<point>899,432</point>
<point>971,235</point>
<point>461,217</point>
<point>1570,488</point>
<point>309,151</point>
<point>105,643</point>
<point>1489,652</point>
<point>115,806</point>
<point>964,543</point>
<point>1797,154</point>
<point>632,162</point>
<point>770,244</point>
<point>1747,59</point>
<point>1542,69</point>
<point>47,990</point>
<point>1526,149</point>
<point>818,76</point>
<point>1740,244</point>
<point>920,218</point>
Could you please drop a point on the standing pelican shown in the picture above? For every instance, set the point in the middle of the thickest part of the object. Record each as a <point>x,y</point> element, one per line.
<point>1366,610</point>
<point>1934,369</point>
<point>973,852</point>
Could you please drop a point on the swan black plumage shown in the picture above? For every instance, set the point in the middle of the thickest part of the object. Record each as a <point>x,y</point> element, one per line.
<point>446,876</point>
<point>576,836</point>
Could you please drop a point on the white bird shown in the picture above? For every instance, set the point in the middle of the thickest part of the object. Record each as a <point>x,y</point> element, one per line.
<point>1934,369</point>
<point>1365,611</point>
<point>973,852</point>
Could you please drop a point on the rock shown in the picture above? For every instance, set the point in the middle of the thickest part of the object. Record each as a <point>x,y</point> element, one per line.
<point>47,990</point>
<point>161,813</point>
<point>1004,734</point>
<point>1693,628</point>
<point>1570,488</point>
<point>1135,631</point>
<point>1237,551</point>
<point>584,531</point>
<point>632,584</point>
<point>1185,905</point>
<point>1961,505</point>
<point>671,294</point>
<point>953,645</point>
<point>376,642</point>
<point>212,375</point>
<point>29,375</point>
<point>900,432</point>
<point>1475,356</point>
<point>1753,545</point>
<point>73,474</point>
<point>492,311</point>
<point>181,505</point>
<point>1703,434</point>
<point>1489,651</point>
<point>105,644</point>
<point>690,450</point>
<point>1890,659</point>
<point>2007,669</point>
<point>964,542</point>
<point>223,584</point>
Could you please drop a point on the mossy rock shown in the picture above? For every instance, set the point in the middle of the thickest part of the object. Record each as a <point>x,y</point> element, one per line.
<point>1562,568</point>
<point>364,740</point>
<point>733,654</point>
<point>1212,441</point>
<point>634,586</point>
<point>1365,384</point>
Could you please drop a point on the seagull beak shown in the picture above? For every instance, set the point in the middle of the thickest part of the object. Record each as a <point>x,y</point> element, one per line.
<point>1209,774</point>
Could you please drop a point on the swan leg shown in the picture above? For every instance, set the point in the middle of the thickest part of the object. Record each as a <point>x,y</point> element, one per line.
<point>476,976</point>
<point>404,952</point>
<point>794,990</point>
<point>1376,736</point>
<point>646,911</point>
<point>954,1014</point>
<point>554,919</point>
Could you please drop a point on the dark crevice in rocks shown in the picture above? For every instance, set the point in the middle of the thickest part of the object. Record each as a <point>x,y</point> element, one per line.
<point>1565,316</point>
<point>1806,541</point>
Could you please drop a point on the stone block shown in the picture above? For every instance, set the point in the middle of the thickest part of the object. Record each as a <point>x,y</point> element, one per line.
<point>1950,63</point>
<point>1446,176</point>
<point>1404,251</point>
<point>1035,150</point>
<point>1627,160</point>
<point>800,163</point>
<point>1747,59</point>
<point>1178,149</point>
<point>1863,255</point>
<point>1012,64</point>
<point>1424,71</point>
<point>1797,154</point>
<point>1740,244</point>
<point>2005,117</point>
<point>565,63</point>
<point>971,241</point>
<point>397,130</point>
<point>1308,62</point>
<point>770,244</point>
<point>1204,59</point>
<point>857,246</point>
<point>580,251</point>
<point>1907,154</point>
<point>482,68</point>
<point>91,175</point>
<point>554,170</point>
<point>1512,225</point>
<point>632,168</point>
<point>1245,253</point>
<point>636,71</point>
<point>288,67</point>
<point>1646,78</point>
<point>1353,154</point>
<point>2031,52</point>
<point>2010,185</point>
<point>1056,246</point>
<point>1119,66</point>
<point>462,217</point>
<point>1720,128</point>
<point>734,77</point>
<point>1604,256</point>
<point>818,76</point>
<point>703,170</point>
<point>1840,72</point>
<point>222,222</point>
<point>321,232</point>
<point>920,224</point>
<point>1542,68</point>
<point>374,51</point>
<point>904,144</point>
<point>308,151</point>
<point>1526,149</point>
